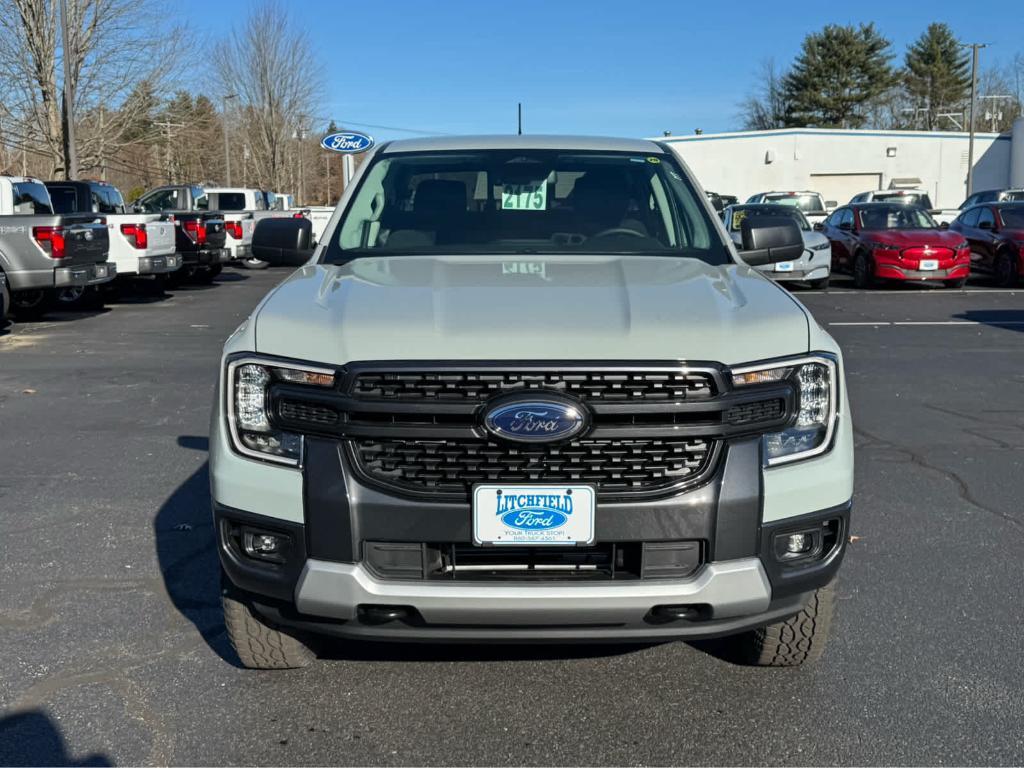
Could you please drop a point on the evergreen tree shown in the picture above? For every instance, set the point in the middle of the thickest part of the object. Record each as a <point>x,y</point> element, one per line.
<point>839,74</point>
<point>937,73</point>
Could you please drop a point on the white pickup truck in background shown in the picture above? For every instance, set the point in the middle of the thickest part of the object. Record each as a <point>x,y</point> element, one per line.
<point>243,208</point>
<point>141,244</point>
<point>815,208</point>
<point>918,197</point>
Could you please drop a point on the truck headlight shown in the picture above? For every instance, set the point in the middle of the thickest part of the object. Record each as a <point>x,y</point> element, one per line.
<point>248,384</point>
<point>817,393</point>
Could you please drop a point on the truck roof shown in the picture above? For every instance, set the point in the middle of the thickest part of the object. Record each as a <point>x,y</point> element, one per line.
<point>217,190</point>
<point>583,143</point>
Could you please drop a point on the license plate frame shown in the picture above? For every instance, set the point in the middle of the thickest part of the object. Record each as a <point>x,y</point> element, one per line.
<point>563,516</point>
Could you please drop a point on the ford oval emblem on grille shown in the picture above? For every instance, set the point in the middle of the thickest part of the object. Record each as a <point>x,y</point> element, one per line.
<point>536,420</point>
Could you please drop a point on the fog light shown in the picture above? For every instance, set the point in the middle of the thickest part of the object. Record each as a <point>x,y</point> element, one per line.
<point>263,545</point>
<point>799,543</point>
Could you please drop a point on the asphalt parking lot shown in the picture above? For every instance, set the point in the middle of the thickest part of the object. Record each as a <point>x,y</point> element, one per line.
<point>114,652</point>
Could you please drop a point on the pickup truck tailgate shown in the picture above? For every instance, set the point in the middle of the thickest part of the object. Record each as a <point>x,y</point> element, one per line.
<point>161,236</point>
<point>215,234</point>
<point>85,241</point>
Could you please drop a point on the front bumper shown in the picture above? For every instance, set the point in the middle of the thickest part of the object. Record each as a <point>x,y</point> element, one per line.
<point>159,265</point>
<point>84,274</point>
<point>893,272</point>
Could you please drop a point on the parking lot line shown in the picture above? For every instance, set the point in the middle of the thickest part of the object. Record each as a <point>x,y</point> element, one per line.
<point>912,292</point>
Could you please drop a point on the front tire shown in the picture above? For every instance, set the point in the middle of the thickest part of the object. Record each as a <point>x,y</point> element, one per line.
<point>790,643</point>
<point>259,644</point>
<point>863,271</point>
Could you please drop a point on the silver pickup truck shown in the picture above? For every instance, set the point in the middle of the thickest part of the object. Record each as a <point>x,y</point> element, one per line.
<point>527,389</point>
<point>42,253</point>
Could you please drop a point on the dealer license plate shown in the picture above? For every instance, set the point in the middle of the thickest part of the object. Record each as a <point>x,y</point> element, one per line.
<point>533,514</point>
<point>929,264</point>
<point>784,266</point>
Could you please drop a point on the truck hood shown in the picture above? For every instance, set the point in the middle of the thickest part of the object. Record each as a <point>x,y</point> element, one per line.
<point>543,308</point>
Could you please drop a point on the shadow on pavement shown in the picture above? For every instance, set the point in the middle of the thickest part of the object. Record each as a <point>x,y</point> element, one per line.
<point>32,738</point>
<point>187,554</point>
<point>1008,319</point>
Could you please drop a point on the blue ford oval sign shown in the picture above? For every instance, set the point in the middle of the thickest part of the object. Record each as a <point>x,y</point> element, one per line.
<point>535,511</point>
<point>536,420</point>
<point>347,141</point>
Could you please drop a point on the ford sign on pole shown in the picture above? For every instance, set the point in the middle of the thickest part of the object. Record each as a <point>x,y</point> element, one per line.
<point>347,142</point>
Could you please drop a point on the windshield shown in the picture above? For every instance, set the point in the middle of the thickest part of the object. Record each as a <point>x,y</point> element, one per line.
<point>895,216</point>
<point>525,202</point>
<point>740,212</point>
<point>1012,217</point>
<point>913,198</point>
<point>806,203</point>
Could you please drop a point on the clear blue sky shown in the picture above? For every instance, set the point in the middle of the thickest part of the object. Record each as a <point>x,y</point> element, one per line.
<point>597,67</point>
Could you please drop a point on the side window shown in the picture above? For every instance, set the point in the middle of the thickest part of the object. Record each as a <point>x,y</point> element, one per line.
<point>31,197</point>
<point>985,217</point>
<point>969,218</point>
<point>101,200</point>
<point>199,199</point>
<point>161,200</point>
<point>847,217</point>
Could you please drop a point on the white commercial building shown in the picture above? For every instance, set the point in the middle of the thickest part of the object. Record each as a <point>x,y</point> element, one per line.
<point>842,163</point>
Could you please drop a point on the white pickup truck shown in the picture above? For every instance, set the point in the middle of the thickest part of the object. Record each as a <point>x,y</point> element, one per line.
<point>141,244</point>
<point>243,208</point>
<point>918,197</point>
<point>815,208</point>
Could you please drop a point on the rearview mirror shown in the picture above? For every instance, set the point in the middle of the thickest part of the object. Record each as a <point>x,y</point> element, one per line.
<point>283,242</point>
<point>769,239</point>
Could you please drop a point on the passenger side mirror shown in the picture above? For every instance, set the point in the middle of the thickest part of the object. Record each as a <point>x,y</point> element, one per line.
<point>846,226</point>
<point>985,225</point>
<point>284,242</point>
<point>769,239</point>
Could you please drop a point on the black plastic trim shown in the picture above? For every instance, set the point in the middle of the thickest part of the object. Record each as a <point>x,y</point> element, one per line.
<point>263,578</point>
<point>332,531</point>
<point>740,501</point>
<point>788,579</point>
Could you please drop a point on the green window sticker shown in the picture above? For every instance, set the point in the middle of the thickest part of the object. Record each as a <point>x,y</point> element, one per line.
<point>530,196</point>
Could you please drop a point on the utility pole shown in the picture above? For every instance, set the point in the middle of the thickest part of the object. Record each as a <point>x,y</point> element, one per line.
<point>167,126</point>
<point>520,111</point>
<point>327,157</point>
<point>70,156</point>
<point>103,148</point>
<point>974,94</point>
<point>300,134</point>
<point>227,149</point>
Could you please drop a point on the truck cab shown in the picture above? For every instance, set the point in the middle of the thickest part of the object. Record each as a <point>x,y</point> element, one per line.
<point>43,253</point>
<point>527,389</point>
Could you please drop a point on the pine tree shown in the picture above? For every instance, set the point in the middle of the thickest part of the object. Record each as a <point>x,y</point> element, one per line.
<point>839,74</point>
<point>938,73</point>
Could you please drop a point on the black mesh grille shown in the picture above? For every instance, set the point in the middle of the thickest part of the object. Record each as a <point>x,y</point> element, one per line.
<point>617,386</point>
<point>452,467</point>
<point>311,414</point>
<point>751,413</point>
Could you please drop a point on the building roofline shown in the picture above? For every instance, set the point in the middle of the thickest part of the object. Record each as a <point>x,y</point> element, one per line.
<point>852,132</point>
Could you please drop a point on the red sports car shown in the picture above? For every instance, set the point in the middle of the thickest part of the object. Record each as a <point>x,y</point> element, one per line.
<point>894,241</point>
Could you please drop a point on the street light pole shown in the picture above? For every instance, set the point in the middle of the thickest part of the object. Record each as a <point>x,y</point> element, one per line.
<point>974,93</point>
<point>227,148</point>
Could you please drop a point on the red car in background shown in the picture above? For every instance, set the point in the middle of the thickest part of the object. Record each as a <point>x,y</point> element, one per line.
<point>995,232</point>
<point>895,241</point>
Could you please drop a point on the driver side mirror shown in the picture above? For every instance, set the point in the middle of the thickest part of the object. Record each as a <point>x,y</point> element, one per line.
<point>985,225</point>
<point>846,226</point>
<point>770,239</point>
<point>943,225</point>
<point>284,242</point>
<point>818,226</point>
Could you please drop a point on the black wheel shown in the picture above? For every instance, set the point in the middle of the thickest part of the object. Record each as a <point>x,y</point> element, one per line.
<point>259,644</point>
<point>1005,270</point>
<point>790,643</point>
<point>252,263</point>
<point>955,285</point>
<point>80,297</point>
<point>32,304</point>
<point>819,285</point>
<point>863,271</point>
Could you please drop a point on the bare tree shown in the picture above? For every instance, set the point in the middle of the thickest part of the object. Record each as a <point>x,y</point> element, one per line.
<point>268,63</point>
<point>114,44</point>
<point>765,107</point>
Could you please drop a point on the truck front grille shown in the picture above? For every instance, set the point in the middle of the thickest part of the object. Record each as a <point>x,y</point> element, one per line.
<point>616,467</point>
<point>588,385</point>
